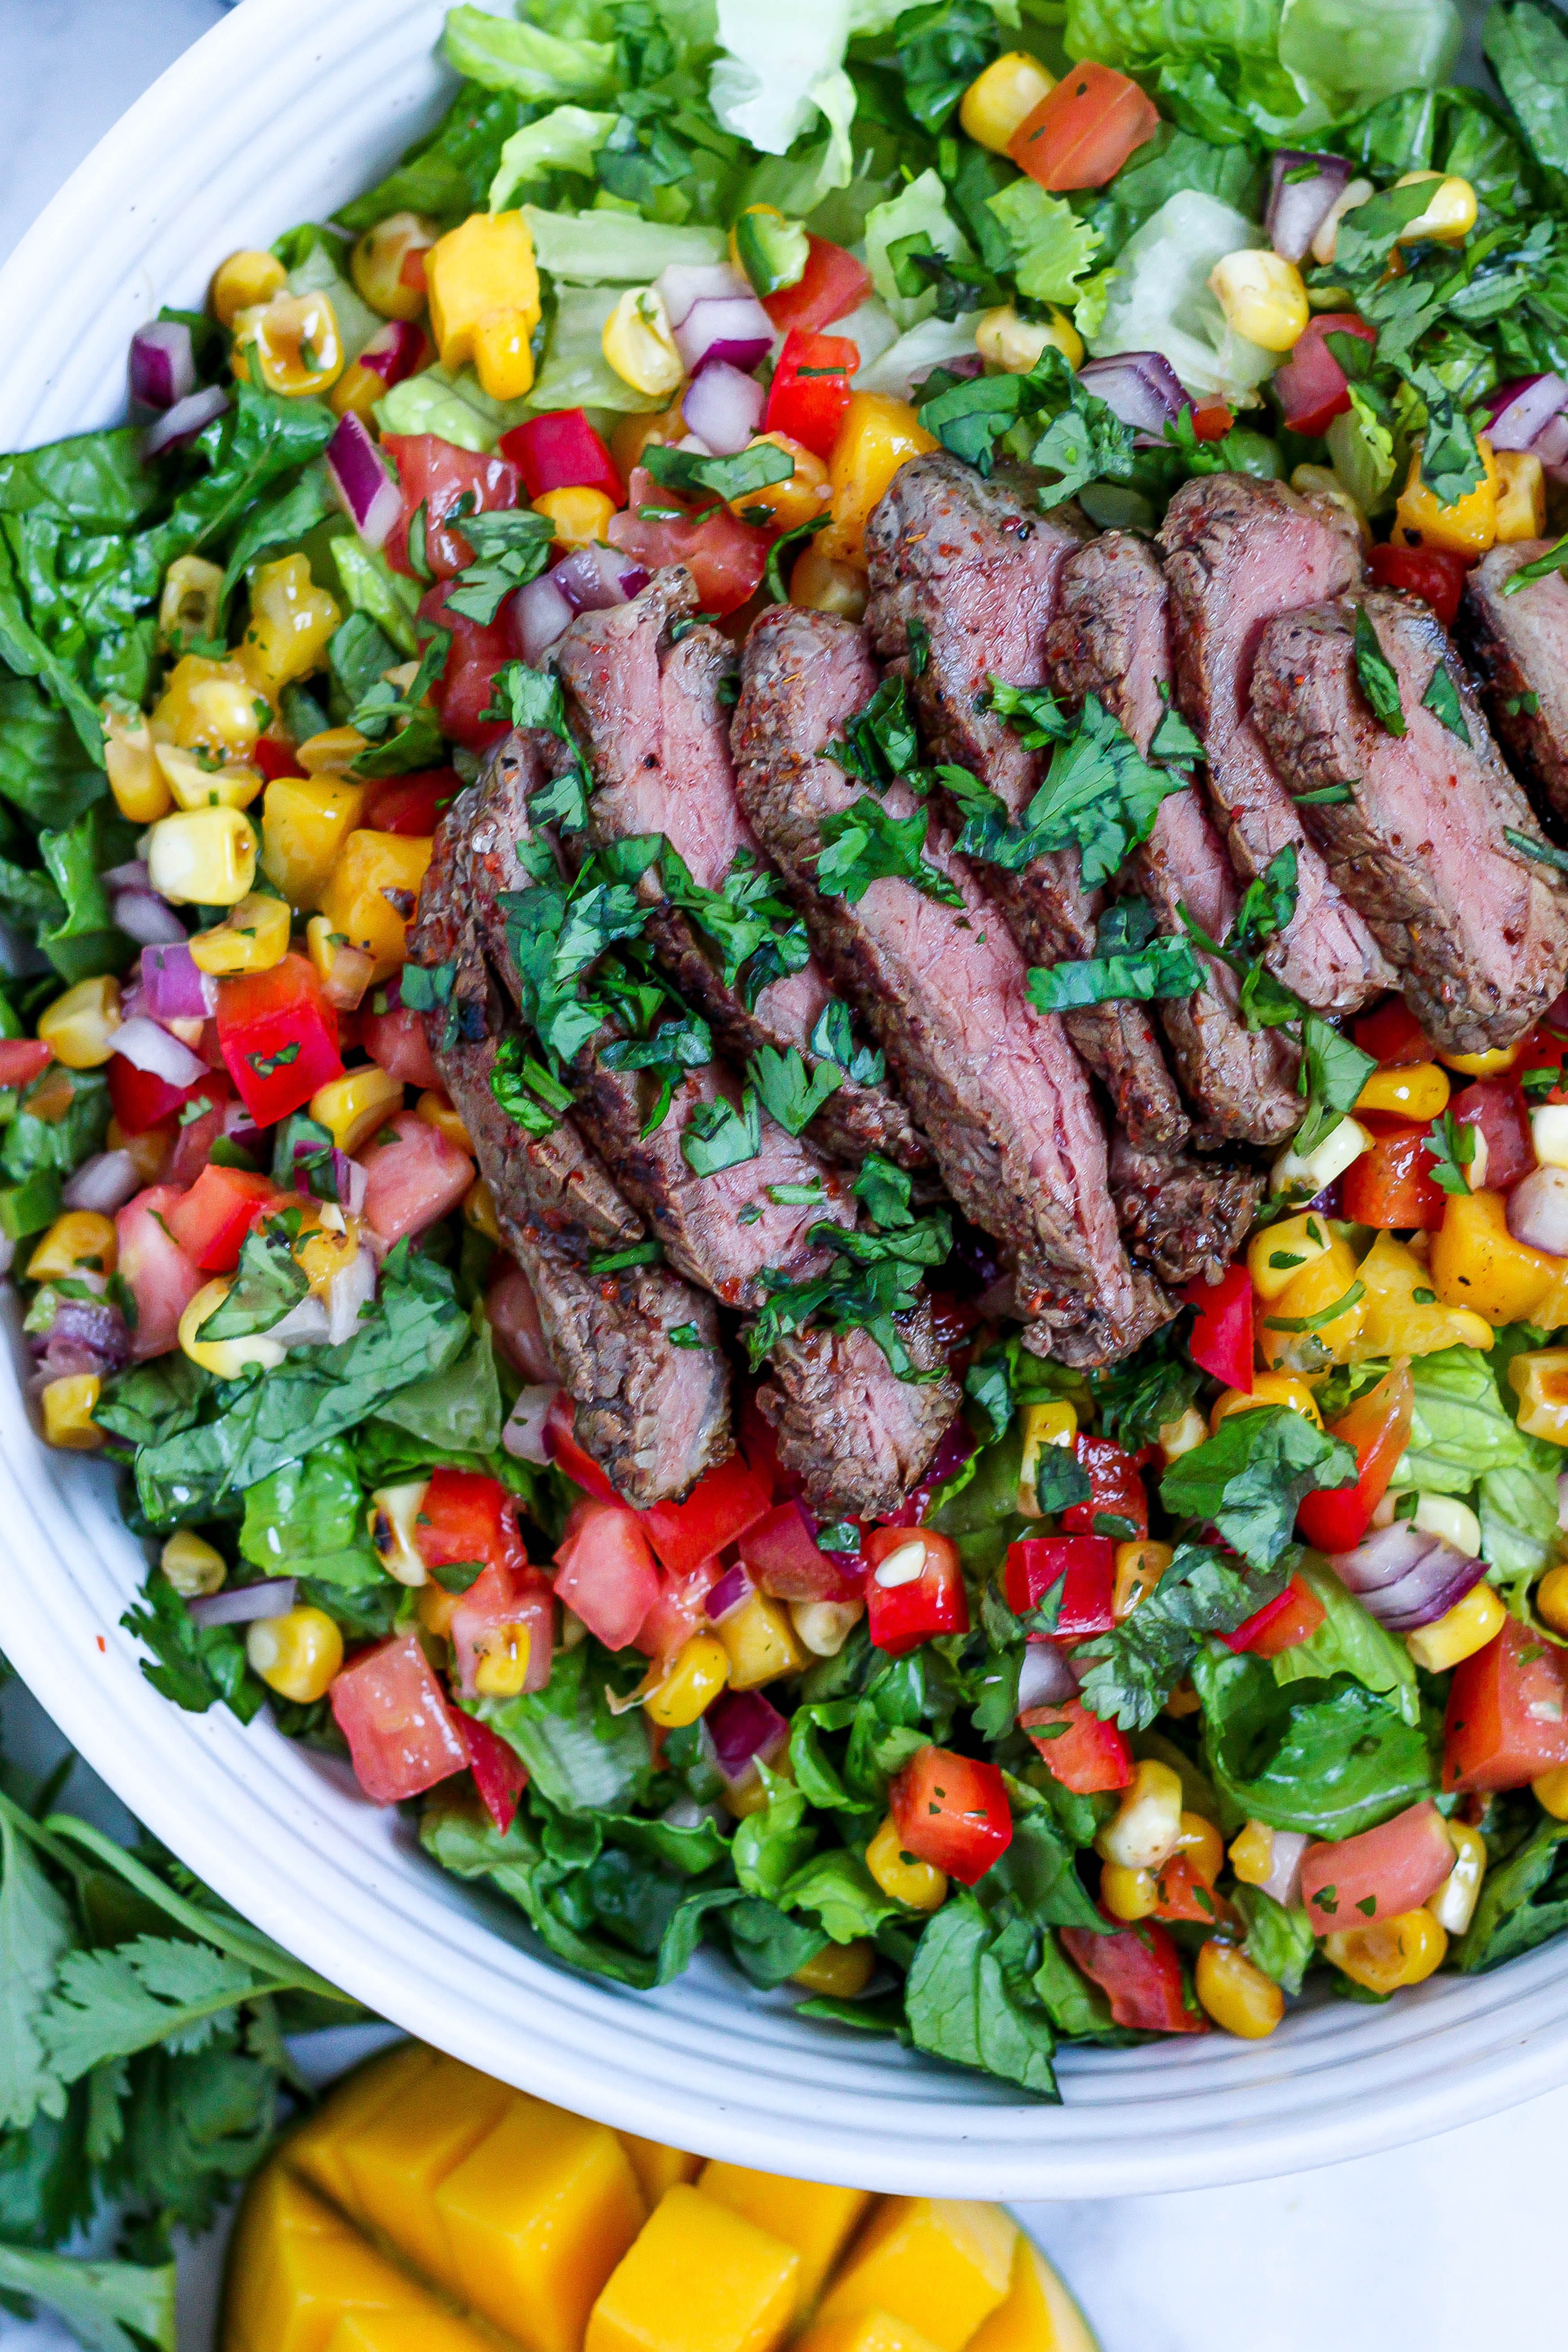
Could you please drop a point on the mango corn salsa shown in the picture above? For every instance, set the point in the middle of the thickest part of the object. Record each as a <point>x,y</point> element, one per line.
<point>426,2209</point>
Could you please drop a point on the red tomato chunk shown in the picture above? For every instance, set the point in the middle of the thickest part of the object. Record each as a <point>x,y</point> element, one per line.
<point>161,1277</point>
<point>501,1775</point>
<point>1378,1875</point>
<point>1084,1754</point>
<point>1507,1714</point>
<point>1221,1340</point>
<point>952,1812</point>
<point>414,1178</point>
<point>434,475</point>
<point>393,1713</point>
<point>604,1572</point>
<point>725,1502</point>
<point>278,1038</point>
<point>1139,1971</point>
<point>210,1222</point>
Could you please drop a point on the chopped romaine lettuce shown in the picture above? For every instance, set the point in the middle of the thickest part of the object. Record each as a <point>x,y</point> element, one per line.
<point>565,139</point>
<point>1052,247</point>
<point>616,248</point>
<point>910,360</point>
<point>501,53</point>
<point>1159,298</point>
<point>319,273</point>
<point>575,373</point>
<point>1460,1429</point>
<point>1351,56</point>
<point>920,209</point>
<point>373,587</point>
<point>427,404</point>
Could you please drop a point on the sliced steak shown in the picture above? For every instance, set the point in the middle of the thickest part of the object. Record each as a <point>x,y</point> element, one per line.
<point>650,712</point>
<point>1238,553</point>
<point>1520,645</point>
<point>1477,928</point>
<point>855,1435</point>
<point>1111,637</point>
<point>977,568</point>
<point>995,1087</point>
<point>1184,1219</point>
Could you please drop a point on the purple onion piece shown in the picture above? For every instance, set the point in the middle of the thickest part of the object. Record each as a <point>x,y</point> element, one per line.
<point>182,422</point>
<point>743,352</point>
<point>104,1182</point>
<point>1405,1578</point>
<point>66,1360</point>
<point>177,989</point>
<point>1537,1211</point>
<point>242,1604</point>
<point>145,918</point>
<point>723,406</point>
<point>394,351</point>
<point>523,1435</point>
<point>1141,387</point>
<point>1550,446</point>
<point>1298,208</point>
<point>147,1046</point>
<point>588,585</point>
<point>1045,1679</point>
<point>360,482</point>
<point>686,283</point>
<point>537,615</point>
<point>136,876</point>
<point>1517,413</point>
<point>744,1726</point>
<point>349,1182</point>
<point>162,364</point>
<point>734,1588</point>
<point>91,1323</point>
<point>724,323</point>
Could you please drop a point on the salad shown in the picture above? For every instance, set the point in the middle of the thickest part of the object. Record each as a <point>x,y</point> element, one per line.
<point>784,1049</point>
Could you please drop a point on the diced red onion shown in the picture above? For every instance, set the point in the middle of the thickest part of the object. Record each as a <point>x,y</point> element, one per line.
<point>304,1326</point>
<point>686,283</point>
<point>162,364</point>
<point>538,614</point>
<point>244,1603</point>
<point>1298,208</point>
<point>1284,1879</point>
<point>784,1557</point>
<point>729,328</point>
<point>1141,387</point>
<point>1045,1679</point>
<point>351,973</point>
<point>135,875</point>
<point>351,1288</point>
<point>105,1182</point>
<point>239,1125</point>
<point>694,445</point>
<point>183,420</point>
<point>394,353</point>
<point>146,1047</point>
<point>523,1435</point>
<point>145,918</point>
<point>350,1182</point>
<point>174,987</point>
<point>744,1727</point>
<point>592,579</point>
<point>363,487</point>
<point>66,1360</point>
<point>1550,446</point>
<point>89,1323</point>
<point>1517,413</point>
<point>734,1588</point>
<point>1537,1210</point>
<point>724,406</point>
<point>1405,1578</point>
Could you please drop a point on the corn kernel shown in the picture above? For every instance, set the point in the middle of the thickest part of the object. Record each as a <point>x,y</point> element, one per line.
<point>1326,240</point>
<point>244,280</point>
<point>225,1359</point>
<point>1419,1092</point>
<point>139,787</point>
<point>374,877</point>
<point>1262,296</point>
<point>1521,496</point>
<point>291,622</point>
<point>918,1886</point>
<point>821,584</point>
<point>693,1679</point>
<point>1460,1633</point>
<point>878,435</point>
<point>800,497</point>
<point>638,343</point>
<point>1450,213</point>
<point>503,354</point>
<point>1202,1846</point>
<point>193,1566</point>
<point>478,1206</point>
<point>356,391</point>
<point>1297,1176</point>
<point>81,1238</point>
<point>1129,1893</point>
<point>294,343</point>
<point>297,1654</point>
<point>393,1519</point>
<point>761,1642</point>
<point>253,937</point>
<point>1252,1854</point>
<point>1454,1904</point>
<point>1389,1954</point>
<point>751,1796</point>
<point>1004,341</point>
<point>1550,1791</point>
<point>438,1113</point>
<point>1467,527</point>
<point>824,1626</point>
<point>378,263</point>
<point>1002,98</point>
<point>841,1971</point>
<point>322,1255</point>
<point>192,785</point>
<point>483,286</point>
<point>1235,1991</point>
<point>577,516</point>
<point>1483,1066</point>
<point>202,857</point>
<point>501,1668</point>
<point>1268,1388</point>
<point>190,601</point>
<point>332,753</point>
<point>1183,1700</point>
<point>67,1408</point>
<point>1183,1435</point>
<point>207,706</point>
<point>305,821</point>
<point>1147,1824</point>
<point>80,1026</point>
<point>1552,1598</point>
<point>352,1107</point>
<point>148,1152</point>
<point>1139,1568</point>
<point>1275,1255</point>
<point>1437,1514</point>
<point>1054,1422</point>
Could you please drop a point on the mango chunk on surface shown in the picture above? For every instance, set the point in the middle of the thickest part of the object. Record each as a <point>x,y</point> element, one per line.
<point>294,2294</point>
<point>313,2151</point>
<point>1039,2314</point>
<point>938,2264</point>
<point>398,2158</point>
<point>699,2279</point>
<point>866,2331</point>
<point>658,2168</point>
<point>428,2329</point>
<point>537,2217</point>
<point>817,2221</point>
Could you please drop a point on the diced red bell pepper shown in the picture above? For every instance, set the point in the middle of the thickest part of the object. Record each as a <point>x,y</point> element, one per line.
<point>1496,1107</point>
<point>1393,1035</point>
<point>832,284</point>
<point>952,1812</point>
<point>1379,1874</point>
<point>1312,387</point>
<point>436,474</point>
<point>467,1517</point>
<point>561,451</point>
<point>1221,1340</point>
<point>1435,574</point>
<point>1283,1624</point>
<point>397,1039</point>
<point>1139,1970</point>
<point>1392,1186</point>
<point>505,1604</point>
<point>900,1617</point>
<point>467,688</point>
<point>1115,1489</point>
<point>604,1571</point>
<point>1085,1567</point>
<point>1508,1713</point>
<point>160,1276</point>
<point>278,1038</point>
<point>211,1221</point>
<point>725,1502</point>
<point>1212,420</point>
<point>393,1713</point>
<point>1084,1754</point>
<point>501,1775</point>
<point>566,1454</point>
<point>22,1059</point>
<point>1378,1426</point>
<point>140,1099</point>
<point>274,758</point>
<point>410,804</point>
<point>810,390</point>
<point>1083,130</point>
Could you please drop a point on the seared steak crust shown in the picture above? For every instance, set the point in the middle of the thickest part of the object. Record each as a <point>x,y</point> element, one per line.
<point>1520,645</point>
<point>1183,1219</point>
<point>1477,928</point>
<point>858,1437</point>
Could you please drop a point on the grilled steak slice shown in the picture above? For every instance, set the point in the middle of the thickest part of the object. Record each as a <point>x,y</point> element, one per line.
<point>977,568</point>
<point>1238,553</point>
<point>655,731</point>
<point>855,1435</point>
<point>1111,637</point>
<point>1520,645</point>
<point>1476,927</point>
<point>995,1087</point>
<point>1181,1218</point>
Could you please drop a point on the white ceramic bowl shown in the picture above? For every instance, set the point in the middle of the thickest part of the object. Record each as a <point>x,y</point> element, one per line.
<point>283,109</point>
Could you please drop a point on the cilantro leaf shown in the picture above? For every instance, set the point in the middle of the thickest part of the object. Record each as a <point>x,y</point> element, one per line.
<point>886,1193</point>
<point>1165,967</point>
<point>35,1935</point>
<point>1442,699</point>
<point>833,1039</point>
<point>1379,680</point>
<point>524,1089</point>
<point>790,1095</point>
<point>1452,1144</point>
<point>1248,1479</point>
<point>1136,1668</point>
<point>268,1284</point>
<point>876,1278</point>
<point>1101,792</point>
<point>99,2301</point>
<point>522,697</point>
<point>510,548</point>
<point>880,741</point>
<point>1333,1072</point>
<point>1554,560</point>
<point>1450,461</point>
<point>863,844</point>
<point>1545,853</point>
<point>674,1048</point>
<point>719,1135</point>
<point>753,468</point>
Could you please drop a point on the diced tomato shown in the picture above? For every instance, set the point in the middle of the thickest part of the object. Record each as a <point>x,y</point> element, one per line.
<point>1543,1050</point>
<point>1139,1970</point>
<point>1181,1892</point>
<point>1116,1490</point>
<point>568,1457</point>
<point>1311,387</point>
<point>1212,420</point>
<point>501,1775</point>
<point>1283,1624</point>
<point>435,474</point>
<point>275,759</point>
<point>1392,1186</point>
<point>900,1617</point>
<point>396,1040</point>
<point>141,1100</point>
<point>952,1812</point>
<point>393,1713</point>
<point>1378,1875</point>
<point>1496,1107</point>
<point>561,451</point>
<point>278,1038</point>
<point>1508,1713</point>
<point>679,1611</point>
<point>604,1571</point>
<point>832,284</point>
<point>1083,130</point>
<point>210,1222</point>
<point>759,1444</point>
<point>785,1560</point>
<point>725,557</point>
<point>512,1312</point>
<point>467,688</point>
<point>160,1276</point>
<point>1378,1426</point>
<point>725,1502</point>
<point>467,1517</point>
<point>499,1599</point>
<point>22,1059</point>
<point>412,1179</point>
<point>1393,1035</point>
<point>1435,574</point>
<point>410,804</point>
<point>810,390</point>
<point>1083,1753</point>
<point>198,1129</point>
<point>1085,1567</point>
<point>1221,1340</point>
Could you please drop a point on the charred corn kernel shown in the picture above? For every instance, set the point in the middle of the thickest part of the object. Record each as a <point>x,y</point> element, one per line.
<point>1183,1435</point>
<point>1297,1175</point>
<point>291,622</point>
<point>696,1675</point>
<point>1477,1264</point>
<point>1004,341</point>
<point>332,753</point>
<point>1202,1845</point>
<point>1483,1066</point>
<point>352,1107</point>
<point>577,516</point>
<point>196,782</point>
<point>1520,496</point>
<point>841,1971</point>
<point>192,1565</point>
<point>80,1026</point>
<point>1463,1630</point>
<point>1054,1422</point>
<point>297,1654</point>
<point>67,1408</point>
<point>1252,1854</point>
<point>208,706</point>
<point>500,1667</point>
<point>1454,1904</point>
<point>638,343</point>
<point>225,1359</point>
<point>147,1152</point>
<point>393,1521</point>
<point>878,435</point>
<point>761,1642</point>
<point>824,1626</point>
<point>1268,1388</point>
<point>1390,1953</point>
<point>81,1238</point>
<point>1129,1893</point>
<point>372,891</point>
<point>1450,213</point>
<point>1324,1305</point>
<point>1280,1252</point>
<point>1420,1092</point>
<point>191,601</point>
<point>438,1113</point>
<point>1147,1825</point>
<point>253,937</point>
<point>1552,1598</point>
<point>1262,296</point>
<point>1540,1381</point>
<point>902,1877</point>
<point>1003,96</point>
<point>1401,1315</point>
<point>305,821</point>
<point>378,263</point>
<point>482,274</point>
<point>202,857</point>
<point>1467,527</point>
<point>821,584</point>
<point>293,343</point>
<point>1139,1568</point>
<point>805,495</point>
<point>139,787</point>
<point>322,1255</point>
<point>479,1210</point>
<point>1235,1991</point>
<point>243,281</point>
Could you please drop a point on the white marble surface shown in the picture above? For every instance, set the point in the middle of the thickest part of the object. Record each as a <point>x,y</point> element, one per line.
<point>1445,2246</point>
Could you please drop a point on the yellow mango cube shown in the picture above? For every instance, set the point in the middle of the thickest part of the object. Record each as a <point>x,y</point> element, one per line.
<point>483,276</point>
<point>423,2328</point>
<point>291,620</point>
<point>275,2205</point>
<point>355,903</point>
<point>1467,527</point>
<point>1540,1381</point>
<point>658,2168</point>
<point>761,1642</point>
<point>1321,1302</point>
<point>503,354</point>
<point>878,435</point>
<point>537,2217</point>
<point>1039,2314</point>
<point>1477,1262</point>
<point>699,2279</point>
<point>313,2278</point>
<point>305,821</point>
<point>396,2161</point>
<point>817,2221</point>
<point>315,2150</point>
<point>942,2265</point>
<point>1401,1313</point>
<point>354,1106</point>
<point>865,2331</point>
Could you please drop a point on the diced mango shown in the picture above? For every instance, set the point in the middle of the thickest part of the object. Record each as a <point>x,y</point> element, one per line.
<point>291,622</point>
<point>355,903</point>
<point>276,2206</point>
<point>312,2279</point>
<point>1039,2314</point>
<point>878,435</point>
<point>397,2161</point>
<point>941,2263</point>
<point>1323,1304</point>
<point>425,2328</point>
<point>537,2217</point>
<point>316,2150</point>
<point>1467,527</point>
<point>865,2331</point>
<point>484,300</point>
<point>305,821</point>
<point>1401,1315</point>
<point>1477,1262</point>
<point>817,2221</point>
<point>699,2279</point>
<point>658,2168</point>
